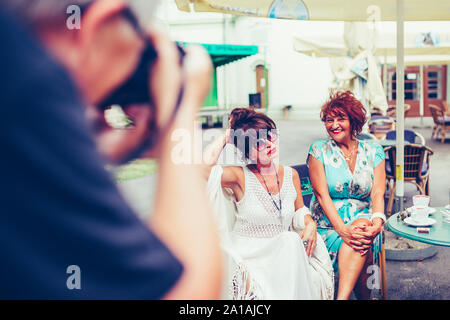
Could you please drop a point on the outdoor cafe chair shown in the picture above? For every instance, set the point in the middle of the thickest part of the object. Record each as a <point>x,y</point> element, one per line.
<point>307,193</point>
<point>445,108</point>
<point>366,136</point>
<point>441,122</point>
<point>409,135</point>
<point>392,110</point>
<point>380,125</point>
<point>416,169</point>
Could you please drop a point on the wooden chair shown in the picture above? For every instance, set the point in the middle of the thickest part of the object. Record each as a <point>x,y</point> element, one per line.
<point>441,122</point>
<point>380,126</point>
<point>307,193</point>
<point>382,265</point>
<point>392,110</point>
<point>445,108</point>
<point>416,170</point>
<point>366,136</point>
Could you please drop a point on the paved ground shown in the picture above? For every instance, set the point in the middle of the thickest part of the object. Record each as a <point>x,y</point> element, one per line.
<point>427,279</point>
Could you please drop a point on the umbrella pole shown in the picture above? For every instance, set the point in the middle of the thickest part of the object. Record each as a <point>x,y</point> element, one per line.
<point>385,75</point>
<point>400,100</point>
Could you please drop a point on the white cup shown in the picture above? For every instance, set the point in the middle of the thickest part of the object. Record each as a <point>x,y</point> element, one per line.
<point>446,216</point>
<point>421,200</point>
<point>419,213</point>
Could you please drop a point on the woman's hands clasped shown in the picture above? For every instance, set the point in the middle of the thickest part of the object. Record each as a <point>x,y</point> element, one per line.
<point>360,236</point>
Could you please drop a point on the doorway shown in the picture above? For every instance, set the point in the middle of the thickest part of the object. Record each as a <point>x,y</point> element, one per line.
<point>262,76</point>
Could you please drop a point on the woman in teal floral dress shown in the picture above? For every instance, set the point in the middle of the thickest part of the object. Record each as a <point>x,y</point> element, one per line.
<point>348,178</point>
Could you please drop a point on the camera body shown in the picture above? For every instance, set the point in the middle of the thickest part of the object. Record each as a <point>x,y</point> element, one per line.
<point>135,90</point>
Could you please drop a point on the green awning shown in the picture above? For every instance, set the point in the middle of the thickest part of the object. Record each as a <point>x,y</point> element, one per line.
<point>222,54</point>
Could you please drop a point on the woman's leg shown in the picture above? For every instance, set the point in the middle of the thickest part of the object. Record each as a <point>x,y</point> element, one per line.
<point>350,263</point>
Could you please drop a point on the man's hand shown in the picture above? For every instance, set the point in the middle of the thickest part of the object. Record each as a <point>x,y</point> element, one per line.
<point>166,80</point>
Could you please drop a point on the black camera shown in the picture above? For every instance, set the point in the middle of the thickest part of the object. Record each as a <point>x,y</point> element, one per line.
<point>135,91</point>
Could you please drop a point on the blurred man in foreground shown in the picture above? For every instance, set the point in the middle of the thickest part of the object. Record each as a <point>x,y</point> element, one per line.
<point>66,231</point>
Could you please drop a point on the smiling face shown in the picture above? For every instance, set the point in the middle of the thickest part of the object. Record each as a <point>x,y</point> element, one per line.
<point>344,116</point>
<point>338,126</point>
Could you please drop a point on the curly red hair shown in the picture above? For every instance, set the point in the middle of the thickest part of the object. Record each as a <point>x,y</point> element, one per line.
<point>344,103</point>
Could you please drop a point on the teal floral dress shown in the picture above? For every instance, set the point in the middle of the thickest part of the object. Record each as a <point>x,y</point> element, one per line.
<point>350,192</point>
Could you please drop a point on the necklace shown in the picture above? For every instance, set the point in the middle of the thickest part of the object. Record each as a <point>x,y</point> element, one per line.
<point>279,208</point>
<point>350,155</point>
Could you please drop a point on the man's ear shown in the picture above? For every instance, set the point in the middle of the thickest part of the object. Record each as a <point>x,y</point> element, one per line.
<point>98,13</point>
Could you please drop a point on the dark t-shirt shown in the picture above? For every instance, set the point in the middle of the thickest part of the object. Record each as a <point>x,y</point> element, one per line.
<point>58,206</point>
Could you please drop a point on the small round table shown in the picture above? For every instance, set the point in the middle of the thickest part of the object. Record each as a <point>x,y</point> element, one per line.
<point>439,232</point>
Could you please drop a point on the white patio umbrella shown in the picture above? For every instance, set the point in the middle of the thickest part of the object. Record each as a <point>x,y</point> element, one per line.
<point>384,49</point>
<point>413,55</point>
<point>343,10</point>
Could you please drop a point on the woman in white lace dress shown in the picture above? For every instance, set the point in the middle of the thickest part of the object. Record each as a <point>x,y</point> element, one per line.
<point>267,233</point>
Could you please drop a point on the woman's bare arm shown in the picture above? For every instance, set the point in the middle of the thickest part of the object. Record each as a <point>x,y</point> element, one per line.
<point>297,185</point>
<point>309,233</point>
<point>378,190</point>
<point>320,186</point>
<point>232,175</point>
<point>212,153</point>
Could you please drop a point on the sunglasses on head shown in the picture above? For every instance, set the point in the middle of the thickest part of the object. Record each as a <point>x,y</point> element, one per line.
<point>261,143</point>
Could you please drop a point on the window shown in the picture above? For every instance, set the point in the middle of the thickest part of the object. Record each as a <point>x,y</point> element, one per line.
<point>411,85</point>
<point>434,84</point>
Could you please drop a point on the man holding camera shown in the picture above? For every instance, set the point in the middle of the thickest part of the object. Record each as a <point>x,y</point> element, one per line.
<point>60,208</point>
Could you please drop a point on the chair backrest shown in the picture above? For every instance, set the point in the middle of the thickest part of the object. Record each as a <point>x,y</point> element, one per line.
<point>414,156</point>
<point>445,106</point>
<point>376,117</point>
<point>409,135</point>
<point>392,110</point>
<point>366,136</point>
<point>436,113</point>
<point>380,127</point>
<point>407,107</point>
<point>305,183</point>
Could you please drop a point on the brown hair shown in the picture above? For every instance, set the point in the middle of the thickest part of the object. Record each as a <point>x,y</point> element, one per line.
<point>345,103</point>
<point>242,120</point>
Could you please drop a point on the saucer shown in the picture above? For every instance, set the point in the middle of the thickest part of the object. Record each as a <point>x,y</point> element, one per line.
<point>422,223</point>
<point>430,210</point>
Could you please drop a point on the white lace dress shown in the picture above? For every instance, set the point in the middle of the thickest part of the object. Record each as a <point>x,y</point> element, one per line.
<point>269,260</point>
